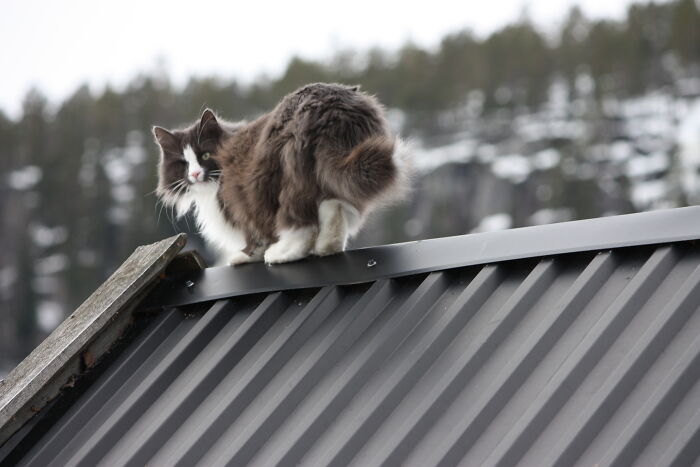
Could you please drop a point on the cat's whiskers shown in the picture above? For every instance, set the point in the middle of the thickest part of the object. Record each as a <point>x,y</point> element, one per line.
<point>178,191</point>
<point>170,185</point>
<point>179,185</point>
<point>177,182</point>
<point>163,205</point>
<point>159,210</point>
<point>175,190</point>
<point>172,216</point>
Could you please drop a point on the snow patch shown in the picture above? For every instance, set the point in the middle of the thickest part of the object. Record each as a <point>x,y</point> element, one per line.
<point>494,222</point>
<point>24,178</point>
<point>8,277</point>
<point>643,166</point>
<point>550,216</point>
<point>49,314</point>
<point>45,237</point>
<point>546,159</point>
<point>427,160</point>
<point>688,140</point>
<point>51,264</point>
<point>621,151</point>
<point>513,167</point>
<point>646,195</point>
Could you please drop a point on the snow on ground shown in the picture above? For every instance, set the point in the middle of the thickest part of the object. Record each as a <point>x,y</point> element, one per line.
<point>648,194</point>
<point>620,151</point>
<point>8,277</point>
<point>652,140</point>
<point>513,167</point>
<point>688,140</point>
<point>689,86</point>
<point>550,216</point>
<point>49,314</point>
<point>427,160</point>
<point>51,264</point>
<point>546,159</point>
<point>45,237</point>
<point>644,166</point>
<point>494,222</point>
<point>121,165</point>
<point>24,178</point>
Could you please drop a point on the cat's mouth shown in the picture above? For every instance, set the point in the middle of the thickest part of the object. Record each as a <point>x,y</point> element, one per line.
<point>198,179</point>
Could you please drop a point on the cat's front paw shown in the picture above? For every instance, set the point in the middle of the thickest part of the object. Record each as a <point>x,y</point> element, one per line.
<point>240,257</point>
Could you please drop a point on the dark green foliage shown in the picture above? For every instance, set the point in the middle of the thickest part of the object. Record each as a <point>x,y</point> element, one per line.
<point>685,31</point>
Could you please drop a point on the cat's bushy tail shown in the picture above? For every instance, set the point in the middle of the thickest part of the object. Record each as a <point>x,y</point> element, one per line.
<point>377,170</point>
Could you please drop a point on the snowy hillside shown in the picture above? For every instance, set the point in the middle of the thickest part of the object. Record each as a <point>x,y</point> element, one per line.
<point>570,160</point>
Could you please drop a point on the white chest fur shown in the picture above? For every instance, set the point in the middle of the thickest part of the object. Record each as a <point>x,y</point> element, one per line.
<point>213,226</point>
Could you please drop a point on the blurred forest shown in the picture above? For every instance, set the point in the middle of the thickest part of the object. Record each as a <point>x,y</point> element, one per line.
<point>517,128</point>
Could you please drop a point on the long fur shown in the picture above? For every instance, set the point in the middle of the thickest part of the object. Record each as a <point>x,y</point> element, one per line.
<point>375,171</point>
<point>321,143</point>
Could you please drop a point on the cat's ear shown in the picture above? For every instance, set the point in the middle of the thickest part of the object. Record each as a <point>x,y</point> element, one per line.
<point>208,116</point>
<point>209,127</point>
<point>167,141</point>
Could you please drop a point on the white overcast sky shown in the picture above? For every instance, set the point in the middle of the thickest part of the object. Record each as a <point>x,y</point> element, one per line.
<point>56,45</point>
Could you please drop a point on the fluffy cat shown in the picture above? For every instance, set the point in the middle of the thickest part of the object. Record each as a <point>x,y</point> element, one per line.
<point>298,180</point>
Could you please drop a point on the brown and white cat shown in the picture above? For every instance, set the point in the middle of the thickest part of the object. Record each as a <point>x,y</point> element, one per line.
<point>298,180</point>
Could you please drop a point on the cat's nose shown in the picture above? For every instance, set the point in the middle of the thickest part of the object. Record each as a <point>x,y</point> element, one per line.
<point>195,174</point>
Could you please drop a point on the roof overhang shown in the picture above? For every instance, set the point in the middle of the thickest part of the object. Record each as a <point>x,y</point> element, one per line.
<point>403,259</point>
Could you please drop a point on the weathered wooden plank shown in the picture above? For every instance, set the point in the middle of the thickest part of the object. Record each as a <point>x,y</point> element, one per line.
<point>40,376</point>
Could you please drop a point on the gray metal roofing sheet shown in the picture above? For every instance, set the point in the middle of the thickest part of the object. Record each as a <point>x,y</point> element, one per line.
<point>381,262</point>
<point>575,359</point>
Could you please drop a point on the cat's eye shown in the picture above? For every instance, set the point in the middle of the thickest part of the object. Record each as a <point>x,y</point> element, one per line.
<point>206,156</point>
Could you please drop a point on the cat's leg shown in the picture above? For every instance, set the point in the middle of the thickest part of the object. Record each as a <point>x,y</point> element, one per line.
<point>296,219</point>
<point>297,227</point>
<point>336,220</point>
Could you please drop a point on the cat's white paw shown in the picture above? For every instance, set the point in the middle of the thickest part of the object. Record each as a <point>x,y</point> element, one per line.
<point>293,244</point>
<point>279,253</point>
<point>239,258</point>
<point>329,248</point>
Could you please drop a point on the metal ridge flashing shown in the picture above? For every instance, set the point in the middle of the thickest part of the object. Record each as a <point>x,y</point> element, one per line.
<point>84,335</point>
<point>373,263</point>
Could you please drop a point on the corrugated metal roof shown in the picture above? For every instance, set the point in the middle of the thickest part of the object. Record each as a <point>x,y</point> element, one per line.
<point>573,359</point>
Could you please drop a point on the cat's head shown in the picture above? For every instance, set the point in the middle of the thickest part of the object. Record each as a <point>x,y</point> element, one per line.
<point>186,160</point>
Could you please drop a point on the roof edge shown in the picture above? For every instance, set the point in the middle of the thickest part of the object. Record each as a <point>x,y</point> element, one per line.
<point>40,376</point>
<point>402,259</point>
